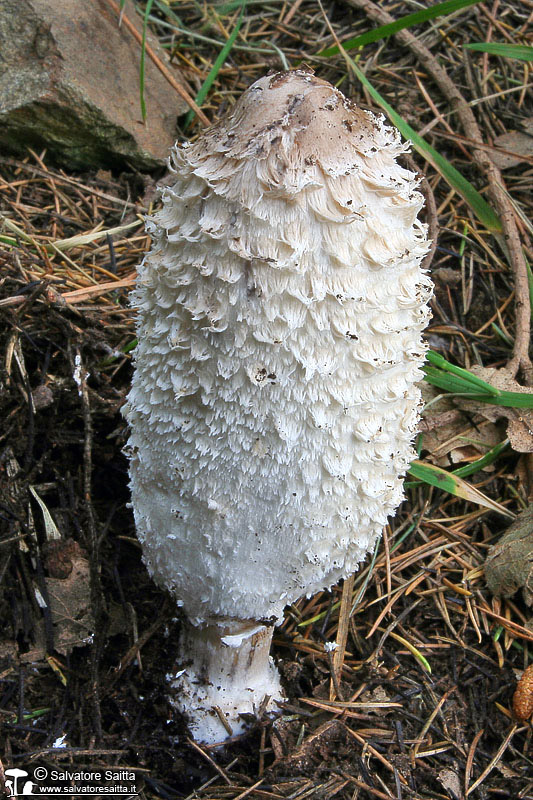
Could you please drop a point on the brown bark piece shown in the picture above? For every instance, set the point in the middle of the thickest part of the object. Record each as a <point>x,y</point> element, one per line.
<point>69,82</point>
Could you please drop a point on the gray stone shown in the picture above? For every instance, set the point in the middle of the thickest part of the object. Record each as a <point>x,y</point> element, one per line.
<point>69,81</point>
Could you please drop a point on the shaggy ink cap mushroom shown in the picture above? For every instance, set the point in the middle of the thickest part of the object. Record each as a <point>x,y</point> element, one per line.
<point>275,397</point>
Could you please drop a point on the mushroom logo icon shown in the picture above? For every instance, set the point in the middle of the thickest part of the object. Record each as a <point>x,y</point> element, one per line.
<point>12,787</point>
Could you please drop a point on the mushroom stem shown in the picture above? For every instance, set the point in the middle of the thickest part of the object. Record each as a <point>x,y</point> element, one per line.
<point>225,670</point>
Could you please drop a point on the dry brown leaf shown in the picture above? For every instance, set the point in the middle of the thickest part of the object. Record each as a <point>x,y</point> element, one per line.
<point>8,657</point>
<point>507,771</point>
<point>283,736</point>
<point>70,605</point>
<point>519,420</point>
<point>450,780</point>
<point>509,564</point>
<point>451,436</point>
<point>377,695</point>
<point>460,440</point>
<point>519,146</point>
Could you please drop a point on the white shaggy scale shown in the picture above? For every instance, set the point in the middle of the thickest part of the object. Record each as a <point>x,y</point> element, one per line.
<point>281,308</point>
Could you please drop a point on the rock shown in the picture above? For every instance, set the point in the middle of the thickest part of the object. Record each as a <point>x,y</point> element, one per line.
<point>69,82</point>
<point>42,397</point>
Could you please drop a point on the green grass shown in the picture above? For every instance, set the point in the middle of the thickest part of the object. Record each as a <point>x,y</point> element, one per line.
<point>456,380</point>
<point>459,381</point>
<point>418,17</point>
<point>484,461</point>
<point>521,51</point>
<point>453,484</point>
<point>213,72</point>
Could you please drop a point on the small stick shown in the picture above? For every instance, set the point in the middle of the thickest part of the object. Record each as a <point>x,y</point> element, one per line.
<point>502,748</point>
<point>88,292</point>
<point>210,760</point>
<point>342,637</point>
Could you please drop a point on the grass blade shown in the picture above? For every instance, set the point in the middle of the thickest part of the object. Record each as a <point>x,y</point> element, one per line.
<point>213,72</point>
<point>11,226</point>
<point>38,712</point>
<point>50,527</point>
<point>481,463</point>
<point>457,380</point>
<point>438,10</point>
<point>454,484</point>
<point>521,51</point>
<point>81,239</point>
<point>479,206</point>
<point>8,241</point>
<point>439,361</point>
<point>474,466</point>
<point>412,649</point>
<point>461,387</point>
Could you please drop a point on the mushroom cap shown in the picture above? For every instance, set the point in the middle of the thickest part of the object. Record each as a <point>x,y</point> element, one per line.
<point>299,115</point>
<point>281,311</point>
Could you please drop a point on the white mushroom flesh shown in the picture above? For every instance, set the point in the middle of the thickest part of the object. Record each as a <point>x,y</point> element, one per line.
<point>281,311</point>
